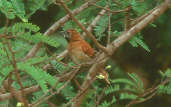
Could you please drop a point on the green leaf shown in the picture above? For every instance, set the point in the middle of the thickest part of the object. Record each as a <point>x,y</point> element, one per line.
<point>135,41</point>
<point>38,37</point>
<point>18,5</point>
<point>59,66</point>
<point>153,25</point>
<point>34,5</point>
<point>101,27</point>
<point>68,92</point>
<point>2,52</point>
<point>127,96</point>
<point>22,27</point>
<point>137,80</point>
<point>13,8</point>
<point>35,60</point>
<point>112,89</point>
<point>168,73</point>
<point>113,100</point>
<point>124,81</point>
<point>105,104</point>
<point>7,8</point>
<point>5,72</point>
<point>42,77</point>
<point>162,73</point>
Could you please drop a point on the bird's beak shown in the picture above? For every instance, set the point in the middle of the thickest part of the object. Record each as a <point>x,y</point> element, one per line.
<point>66,35</point>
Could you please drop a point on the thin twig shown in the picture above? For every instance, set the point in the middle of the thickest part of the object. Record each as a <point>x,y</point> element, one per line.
<point>137,20</point>
<point>78,84</point>
<point>29,90</point>
<point>99,97</point>
<point>127,19</point>
<point>111,11</point>
<point>140,101</point>
<point>109,29</point>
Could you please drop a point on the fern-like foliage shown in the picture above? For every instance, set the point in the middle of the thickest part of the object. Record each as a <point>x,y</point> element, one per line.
<point>2,51</point>
<point>23,11</point>
<point>4,72</point>
<point>58,66</point>
<point>5,65</point>
<point>165,88</point>
<point>22,27</point>
<point>13,8</point>
<point>137,81</point>
<point>36,96</point>
<point>137,41</point>
<point>68,92</point>
<point>129,88</point>
<point>34,5</point>
<point>101,27</point>
<point>30,33</point>
<point>39,75</point>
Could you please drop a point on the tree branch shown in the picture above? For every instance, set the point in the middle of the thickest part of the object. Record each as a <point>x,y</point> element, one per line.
<point>54,27</point>
<point>29,90</point>
<point>109,29</point>
<point>83,28</point>
<point>63,54</point>
<point>117,43</point>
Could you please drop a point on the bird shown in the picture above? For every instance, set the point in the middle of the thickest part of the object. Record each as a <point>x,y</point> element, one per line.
<point>81,52</point>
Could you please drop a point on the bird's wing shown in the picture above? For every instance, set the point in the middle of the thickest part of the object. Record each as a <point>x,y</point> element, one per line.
<point>87,49</point>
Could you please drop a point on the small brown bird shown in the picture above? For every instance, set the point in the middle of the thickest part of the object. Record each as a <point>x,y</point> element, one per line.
<point>80,51</point>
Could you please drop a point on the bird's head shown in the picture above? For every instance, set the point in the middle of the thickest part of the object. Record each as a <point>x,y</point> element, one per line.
<point>71,31</point>
<point>73,35</point>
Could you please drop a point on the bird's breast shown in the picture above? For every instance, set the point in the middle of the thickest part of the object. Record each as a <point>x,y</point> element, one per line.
<point>77,55</point>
